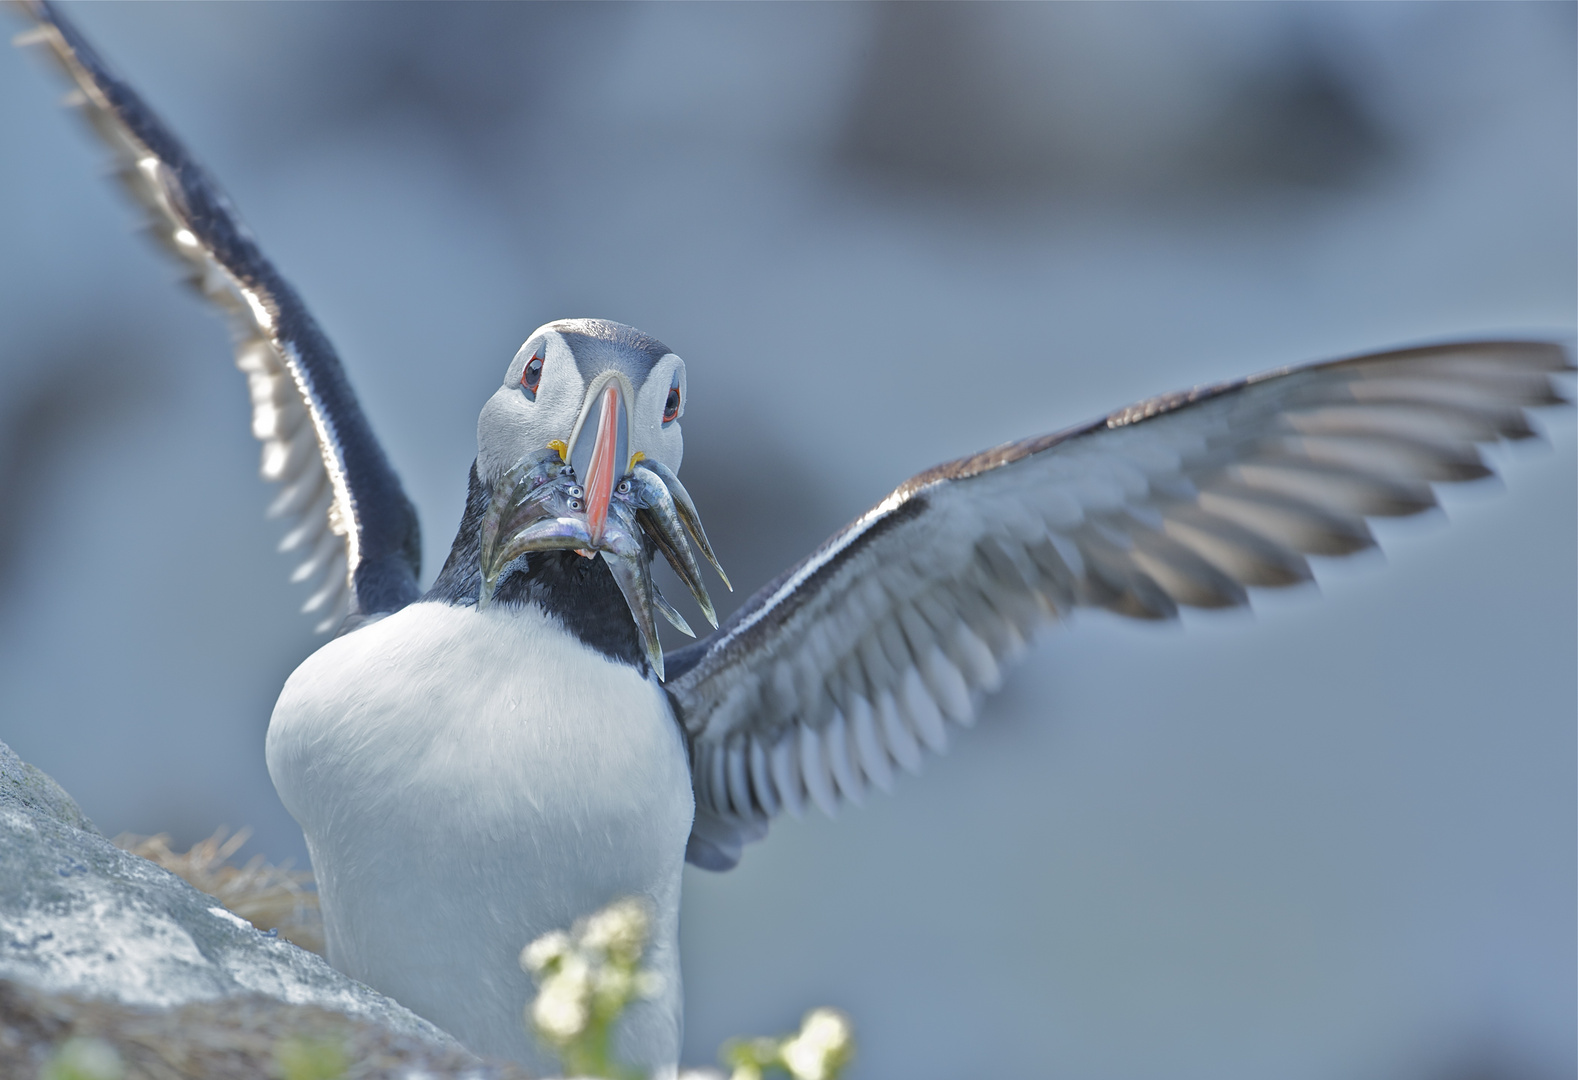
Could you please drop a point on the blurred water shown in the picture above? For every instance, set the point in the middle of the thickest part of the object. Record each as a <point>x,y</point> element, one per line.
<point>1332,839</point>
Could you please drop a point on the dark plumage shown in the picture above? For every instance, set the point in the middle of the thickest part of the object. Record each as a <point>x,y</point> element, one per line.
<point>579,592</point>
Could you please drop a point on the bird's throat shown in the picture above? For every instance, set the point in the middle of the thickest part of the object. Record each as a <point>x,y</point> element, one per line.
<point>579,593</point>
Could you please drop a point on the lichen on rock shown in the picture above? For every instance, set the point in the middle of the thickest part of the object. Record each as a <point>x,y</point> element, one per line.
<point>31,790</point>
<point>267,896</point>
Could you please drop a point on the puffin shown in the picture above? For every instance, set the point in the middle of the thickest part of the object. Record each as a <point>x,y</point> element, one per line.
<point>510,749</point>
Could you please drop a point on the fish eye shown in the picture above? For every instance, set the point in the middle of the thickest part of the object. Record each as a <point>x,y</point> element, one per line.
<point>531,378</point>
<point>671,406</point>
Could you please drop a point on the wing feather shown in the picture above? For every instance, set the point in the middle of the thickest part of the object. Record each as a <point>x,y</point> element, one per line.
<point>856,662</point>
<point>342,503</point>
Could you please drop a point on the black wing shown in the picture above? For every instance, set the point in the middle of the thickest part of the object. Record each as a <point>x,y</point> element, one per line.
<point>859,658</point>
<point>349,517</point>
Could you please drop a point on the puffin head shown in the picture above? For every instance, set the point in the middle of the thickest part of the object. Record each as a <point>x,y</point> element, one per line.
<point>580,449</point>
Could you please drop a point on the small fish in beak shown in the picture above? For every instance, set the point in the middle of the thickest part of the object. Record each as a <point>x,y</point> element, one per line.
<point>687,513</point>
<point>659,518</point>
<point>628,554</point>
<point>536,506</point>
<point>623,511</point>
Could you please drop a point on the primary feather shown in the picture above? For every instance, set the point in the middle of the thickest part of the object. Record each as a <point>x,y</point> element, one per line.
<point>854,661</point>
<point>348,518</point>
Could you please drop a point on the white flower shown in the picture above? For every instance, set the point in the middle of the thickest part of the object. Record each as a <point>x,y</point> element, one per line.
<point>560,1011</point>
<point>546,950</point>
<point>574,975</point>
<point>824,1044</point>
<point>585,980</point>
<point>614,986</point>
<point>619,930</point>
<point>649,984</point>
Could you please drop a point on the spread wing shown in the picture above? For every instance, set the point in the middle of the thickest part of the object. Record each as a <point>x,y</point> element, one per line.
<point>862,657</point>
<point>349,521</point>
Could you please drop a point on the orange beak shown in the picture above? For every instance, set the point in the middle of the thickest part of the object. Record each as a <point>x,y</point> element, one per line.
<point>603,471</point>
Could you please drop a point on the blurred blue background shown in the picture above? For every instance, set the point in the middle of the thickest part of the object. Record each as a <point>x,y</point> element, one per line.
<point>1332,839</point>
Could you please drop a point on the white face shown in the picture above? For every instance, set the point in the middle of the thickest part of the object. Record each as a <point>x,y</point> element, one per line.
<point>517,422</point>
<point>558,446</point>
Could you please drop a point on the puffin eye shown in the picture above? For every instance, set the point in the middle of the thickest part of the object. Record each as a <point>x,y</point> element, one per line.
<point>671,406</point>
<point>531,378</point>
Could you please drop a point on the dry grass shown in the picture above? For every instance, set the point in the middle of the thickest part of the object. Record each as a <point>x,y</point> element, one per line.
<point>269,897</point>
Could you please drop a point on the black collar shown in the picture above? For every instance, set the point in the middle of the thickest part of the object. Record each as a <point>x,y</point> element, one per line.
<point>580,593</point>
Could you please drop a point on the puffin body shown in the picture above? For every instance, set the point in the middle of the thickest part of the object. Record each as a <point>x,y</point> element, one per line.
<point>499,759</point>
<point>511,751</point>
<point>468,781</point>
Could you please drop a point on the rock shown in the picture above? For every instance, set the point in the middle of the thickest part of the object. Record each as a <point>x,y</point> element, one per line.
<point>244,1037</point>
<point>31,790</point>
<point>97,942</point>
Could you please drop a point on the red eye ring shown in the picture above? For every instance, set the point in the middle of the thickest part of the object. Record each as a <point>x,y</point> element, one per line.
<point>671,406</point>
<point>531,377</point>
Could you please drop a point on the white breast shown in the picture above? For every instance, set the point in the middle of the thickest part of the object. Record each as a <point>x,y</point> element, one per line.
<point>468,781</point>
